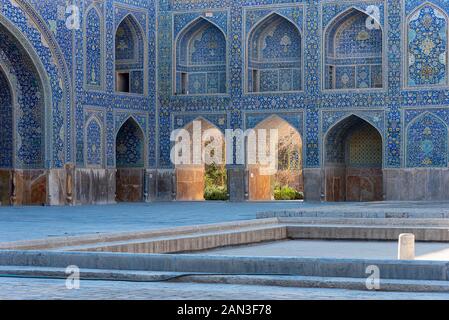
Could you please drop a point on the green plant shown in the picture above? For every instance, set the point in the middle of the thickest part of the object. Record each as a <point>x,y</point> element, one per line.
<point>216,193</point>
<point>216,183</point>
<point>287,193</point>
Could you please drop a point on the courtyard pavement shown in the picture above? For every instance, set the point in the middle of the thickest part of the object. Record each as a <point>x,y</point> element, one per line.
<point>38,289</point>
<point>28,223</point>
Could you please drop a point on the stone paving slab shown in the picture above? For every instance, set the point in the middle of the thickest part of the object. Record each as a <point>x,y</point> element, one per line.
<point>44,289</point>
<point>386,209</point>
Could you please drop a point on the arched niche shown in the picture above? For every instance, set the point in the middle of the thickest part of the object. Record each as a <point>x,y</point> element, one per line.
<point>427,139</point>
<point>353,160</point>
<point>201,59</point>
<point>274,56</point>
<point>129,56</point>
<point>130,162</point>
<point>353,54</point>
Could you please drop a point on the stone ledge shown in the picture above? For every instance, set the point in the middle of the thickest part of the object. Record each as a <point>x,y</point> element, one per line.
<point>291,266</point>
<point>259,280</point>
<point>59,242</point>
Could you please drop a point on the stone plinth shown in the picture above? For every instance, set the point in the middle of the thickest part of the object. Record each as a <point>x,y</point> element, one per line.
<point>406,246</point>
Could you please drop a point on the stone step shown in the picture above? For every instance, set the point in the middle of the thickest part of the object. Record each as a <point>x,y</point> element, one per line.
<point>232,265</point>
<point>259,280</point>
<point>190,242</point>
<point>58,242</point>
<point>358,212</point>
<point>360,232</point>
<point>393,222</point>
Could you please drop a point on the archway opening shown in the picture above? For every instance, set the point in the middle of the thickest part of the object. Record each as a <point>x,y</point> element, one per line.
<point>274,56</point>
<point>353,162</point>
<point>129,57</point>
<point>23,101</point>
<point>204,176</point>
<point>286,182</point>
<point>130,162</point>
<point>353,56</point>
<point>6,139</point>
<point>201,59</point>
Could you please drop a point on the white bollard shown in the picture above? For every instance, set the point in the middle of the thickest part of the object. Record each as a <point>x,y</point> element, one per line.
<point>406,246</point>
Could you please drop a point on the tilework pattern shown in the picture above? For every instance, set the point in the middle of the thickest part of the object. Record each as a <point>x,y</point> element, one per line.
<point>129,52</point>
<point>94,143</point>
<point>6,123</point>
<point>29,142</point>
<point>353,53</point>
<point>427,142</point>
<point>274,63</point>
<point>365,148</point>
<point>130,146</point>
<point>427,47</point>
<point>201,59</point>
<point>94,45</point>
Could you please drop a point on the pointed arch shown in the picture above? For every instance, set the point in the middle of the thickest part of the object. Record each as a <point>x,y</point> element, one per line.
<point>130,145</point>
<point>279,117</point>
<point>353,53</point>
<point>427,141</point>
<point>209,127</point>
<point>357,115</point>
<point>130,118</point>
<point>353,161</point>
<point>274,55</point>
<point>132,18</point>
<point>7,120</point>
<point>348,121</point>
<point>286,158</point>
<point>427,52</point>
<point>204,120</point>
<point>93,48</point>
<point>201,169</point>
<point>31,87</point>
<point>200,58</point>
<point>130,55</point>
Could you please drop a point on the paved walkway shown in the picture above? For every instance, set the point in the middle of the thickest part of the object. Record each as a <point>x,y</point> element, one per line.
<point>34,289</point>
<point>26,223</point>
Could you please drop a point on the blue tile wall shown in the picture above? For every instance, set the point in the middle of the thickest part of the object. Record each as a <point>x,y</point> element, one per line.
<point>394,77</point>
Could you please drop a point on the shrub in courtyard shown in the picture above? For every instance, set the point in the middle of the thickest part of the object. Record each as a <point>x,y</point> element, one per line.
<point>216,193</point>
<point>287,193</point>
<point>216,183</point>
